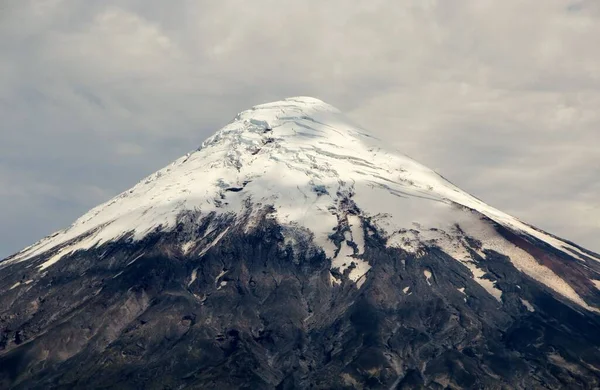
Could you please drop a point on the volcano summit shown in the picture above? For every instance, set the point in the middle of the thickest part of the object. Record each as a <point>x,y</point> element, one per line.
<point>293,250</point>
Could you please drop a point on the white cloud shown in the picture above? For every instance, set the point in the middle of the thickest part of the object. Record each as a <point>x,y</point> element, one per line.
<point>500,97</point>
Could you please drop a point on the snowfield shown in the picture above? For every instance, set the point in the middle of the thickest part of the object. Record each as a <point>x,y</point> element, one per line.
<point>304,158</point>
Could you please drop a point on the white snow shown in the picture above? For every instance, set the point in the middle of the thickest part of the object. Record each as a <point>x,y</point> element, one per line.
<point>524,262</point>
<point>527,305</point>
<point>214,242</point>
<point>301,156</point>
<point>346,257</point>
<point>462,290</point>
<point>219,276</point>
<point>186,247</point>
<point>405,290</point>
<point>428,276</point>
<point>596,283</point>
<point>490,286</point>
<point>361,281</point>
<point>135,259</point>
<point>193,276</point>
<point>222,284</point>
<point>448,238</point>
<point>20,284</point>
<point>358,235</point>
<point>85,243</point>
<point>333,280</point>
<point>456,248</point>
<point>361,268</point>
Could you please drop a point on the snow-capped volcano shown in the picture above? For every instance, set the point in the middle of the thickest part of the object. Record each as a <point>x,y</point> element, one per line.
<point>294,249</point>
<point>303,157</point>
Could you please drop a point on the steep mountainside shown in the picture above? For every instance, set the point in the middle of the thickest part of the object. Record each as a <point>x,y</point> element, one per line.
<point>293,250</point>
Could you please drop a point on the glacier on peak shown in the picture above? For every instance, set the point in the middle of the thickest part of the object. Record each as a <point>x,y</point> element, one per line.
<point>303,157</point>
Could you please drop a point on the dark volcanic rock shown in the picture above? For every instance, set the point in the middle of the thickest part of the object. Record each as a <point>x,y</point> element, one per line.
<point>254,313</point>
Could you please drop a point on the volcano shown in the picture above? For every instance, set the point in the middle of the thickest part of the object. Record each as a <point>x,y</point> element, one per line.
<point>294,250</point>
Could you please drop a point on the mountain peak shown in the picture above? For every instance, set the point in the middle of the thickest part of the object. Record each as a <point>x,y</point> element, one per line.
<point>313,169</point>
<point>299,102</point>
<point>295,250</point>
<point>291,107</point>
<point>289,116</point>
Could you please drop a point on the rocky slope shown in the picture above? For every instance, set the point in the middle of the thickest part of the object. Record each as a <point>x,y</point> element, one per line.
<point>293,250</point>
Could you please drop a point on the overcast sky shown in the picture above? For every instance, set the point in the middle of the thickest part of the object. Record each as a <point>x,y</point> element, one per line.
<point>500,97</point>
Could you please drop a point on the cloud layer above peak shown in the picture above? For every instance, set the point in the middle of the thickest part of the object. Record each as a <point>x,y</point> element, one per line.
<point>499,97</point>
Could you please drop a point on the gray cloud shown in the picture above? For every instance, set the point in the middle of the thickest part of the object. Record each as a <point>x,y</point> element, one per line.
<point>499,97</point>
